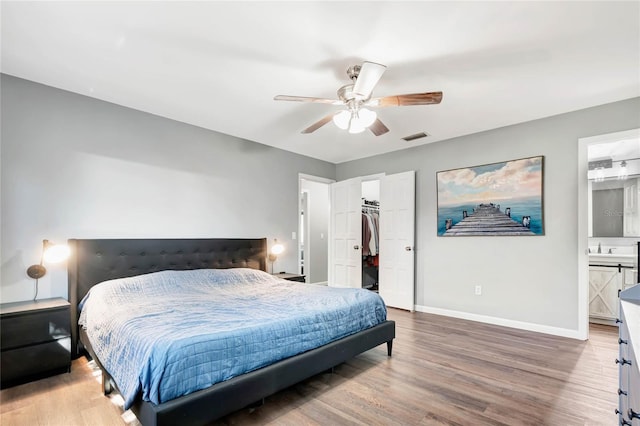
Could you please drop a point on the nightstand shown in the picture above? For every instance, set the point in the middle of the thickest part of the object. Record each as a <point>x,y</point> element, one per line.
<point>35,340</point>
<point>290,277</point>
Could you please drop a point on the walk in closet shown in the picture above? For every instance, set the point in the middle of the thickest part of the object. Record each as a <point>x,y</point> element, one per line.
<point>370,233</point>
<point>356,257</point>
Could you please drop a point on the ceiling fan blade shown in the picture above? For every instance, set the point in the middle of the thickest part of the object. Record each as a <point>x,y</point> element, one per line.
<point>428,98</point>
<point>308,99</point>
<point>369,75</point>
<point>378,128</point>
<point>315,126</point>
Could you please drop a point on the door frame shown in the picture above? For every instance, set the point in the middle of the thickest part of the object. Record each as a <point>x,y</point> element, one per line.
<point>583,222</point>
<point>318,179</point>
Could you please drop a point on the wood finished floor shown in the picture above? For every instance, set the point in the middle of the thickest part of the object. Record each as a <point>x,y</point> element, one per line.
<point>444,371</point>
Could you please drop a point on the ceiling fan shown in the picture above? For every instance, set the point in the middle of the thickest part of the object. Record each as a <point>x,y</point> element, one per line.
<point>357,96</point>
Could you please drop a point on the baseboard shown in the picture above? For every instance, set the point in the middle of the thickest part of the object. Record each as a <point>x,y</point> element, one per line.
<point>539,328</point>
<point>602,321</point>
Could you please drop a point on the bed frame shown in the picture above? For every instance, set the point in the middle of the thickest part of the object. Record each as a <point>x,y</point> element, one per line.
<point>94,261</point>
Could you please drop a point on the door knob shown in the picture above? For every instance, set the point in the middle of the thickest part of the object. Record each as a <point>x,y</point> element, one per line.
<point>407,248</point>
<point>356,247</point>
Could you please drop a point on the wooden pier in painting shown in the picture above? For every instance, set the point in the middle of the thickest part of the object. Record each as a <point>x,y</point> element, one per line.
<point>487,219</point>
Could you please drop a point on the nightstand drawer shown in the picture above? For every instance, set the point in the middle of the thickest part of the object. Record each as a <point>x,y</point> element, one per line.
<point>35,340</point>
<point>33,328</point>
<point>20,364</point>
<point>299,279</point>
<point>290,277</point>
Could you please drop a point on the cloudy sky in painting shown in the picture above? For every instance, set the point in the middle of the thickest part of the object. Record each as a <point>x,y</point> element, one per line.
<point>491,183</point>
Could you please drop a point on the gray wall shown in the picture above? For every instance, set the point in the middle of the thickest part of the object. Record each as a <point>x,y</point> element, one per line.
<point>531,280</point>
<point>76,167</point>
<point>73,166</point>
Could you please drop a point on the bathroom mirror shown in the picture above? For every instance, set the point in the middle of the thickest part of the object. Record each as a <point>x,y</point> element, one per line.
<point>614,182</point>
<point>614,207</point>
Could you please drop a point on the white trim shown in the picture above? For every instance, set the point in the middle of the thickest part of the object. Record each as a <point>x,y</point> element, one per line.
<point>583,222</point>
<point>324,283</point>
<point>314,178</point>
<point>612,137</point>
<point>376,176</point>
<point>583,239</point>
<point>562,332</point>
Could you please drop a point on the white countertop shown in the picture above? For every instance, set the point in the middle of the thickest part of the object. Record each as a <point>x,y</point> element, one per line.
<point>614,258</point>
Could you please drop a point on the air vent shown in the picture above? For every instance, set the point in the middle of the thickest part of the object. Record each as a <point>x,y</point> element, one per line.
<point>416,136</point>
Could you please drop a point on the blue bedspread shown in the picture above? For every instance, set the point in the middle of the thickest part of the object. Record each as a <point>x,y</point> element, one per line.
<point>171,333</point>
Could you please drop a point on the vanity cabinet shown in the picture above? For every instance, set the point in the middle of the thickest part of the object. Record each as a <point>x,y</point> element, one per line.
<point>628,370</point>
<point>630,278</point>
<point>605,283</point>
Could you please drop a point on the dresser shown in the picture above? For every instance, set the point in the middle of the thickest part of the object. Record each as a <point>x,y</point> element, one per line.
<point>35,340</point>
<point>629,372</point>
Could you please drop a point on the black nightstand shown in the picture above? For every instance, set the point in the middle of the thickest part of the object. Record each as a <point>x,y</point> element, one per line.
<point>35,340</point>
<point>290,277</point>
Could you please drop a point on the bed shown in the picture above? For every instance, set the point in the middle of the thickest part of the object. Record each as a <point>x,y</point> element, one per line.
<point>96,261</point>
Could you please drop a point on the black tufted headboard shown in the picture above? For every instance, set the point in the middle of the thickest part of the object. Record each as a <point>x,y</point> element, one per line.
<point>94,261</point>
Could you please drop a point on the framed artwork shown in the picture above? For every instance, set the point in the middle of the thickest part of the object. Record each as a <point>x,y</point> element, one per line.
<point>493,199</point>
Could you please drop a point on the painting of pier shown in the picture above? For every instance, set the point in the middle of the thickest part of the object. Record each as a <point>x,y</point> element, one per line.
<point>487,219</point>
<point>494,199</point>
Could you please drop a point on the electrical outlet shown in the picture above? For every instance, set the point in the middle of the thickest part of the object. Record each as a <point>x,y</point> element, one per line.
<point>478,290</point>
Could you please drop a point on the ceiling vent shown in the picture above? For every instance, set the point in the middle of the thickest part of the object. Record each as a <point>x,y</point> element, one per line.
<point>415,136</point>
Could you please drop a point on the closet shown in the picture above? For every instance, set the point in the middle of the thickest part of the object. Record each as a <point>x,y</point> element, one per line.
<point>351,263</point>
<point>370,233</point>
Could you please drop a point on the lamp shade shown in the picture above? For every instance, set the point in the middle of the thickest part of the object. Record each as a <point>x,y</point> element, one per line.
<point>56,253</point>
<point>51,253</point>
<point>277,249</point>
<point>366,117</point>
<point>342,119</point>
<point>356,127</point>
<point>355,121</point>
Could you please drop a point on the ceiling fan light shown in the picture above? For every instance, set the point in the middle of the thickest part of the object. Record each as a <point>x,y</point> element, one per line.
<point>342,119</point>
<point>367,117</point>
<point>356,126</point>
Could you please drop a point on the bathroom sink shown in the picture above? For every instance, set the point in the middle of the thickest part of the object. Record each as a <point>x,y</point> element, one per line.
<point>615,258</point>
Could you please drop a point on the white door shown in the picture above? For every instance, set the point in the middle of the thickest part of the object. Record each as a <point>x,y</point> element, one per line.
<point>397,236</point>
<point>345,253</point>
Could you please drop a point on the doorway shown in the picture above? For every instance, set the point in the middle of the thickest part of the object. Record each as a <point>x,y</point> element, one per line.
<point>313,228</point>
<point>585,211</point>
<point>396,262</point>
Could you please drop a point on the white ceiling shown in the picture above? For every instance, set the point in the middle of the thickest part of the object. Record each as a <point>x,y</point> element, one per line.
<point>218,65</point>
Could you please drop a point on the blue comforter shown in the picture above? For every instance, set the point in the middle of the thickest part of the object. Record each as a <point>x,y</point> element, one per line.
<point>171,333</point>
